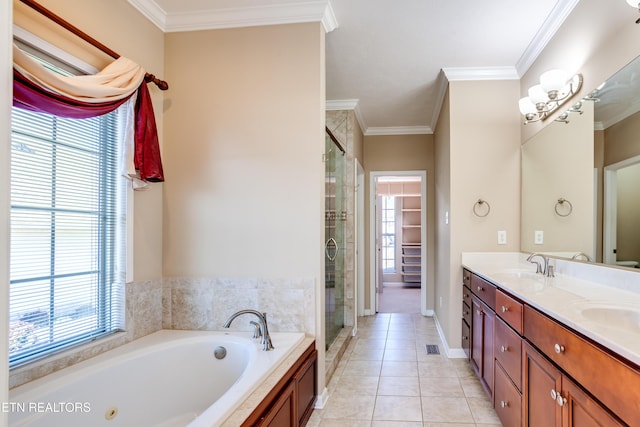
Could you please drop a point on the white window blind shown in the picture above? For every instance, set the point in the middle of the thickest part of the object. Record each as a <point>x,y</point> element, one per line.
<point>68,232</point>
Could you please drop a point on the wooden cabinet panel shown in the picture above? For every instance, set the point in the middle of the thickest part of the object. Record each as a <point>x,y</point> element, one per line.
<point>466,339</point>
<point>305,389</point>
<point>540,379</point>
<point>282,413</point>
<point>507,399</point>
<point>612,382</point>
<point>466,295</point>
<point>483,319</point>
<point>581,410</point>
<point>508,351</point>
<point>486,291</point>
<point>466,313</point>
<point>510,309</point>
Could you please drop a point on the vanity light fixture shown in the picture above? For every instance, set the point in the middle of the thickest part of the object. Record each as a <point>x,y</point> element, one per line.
<point>636,5</point>
<point>556,87</point>
<point>564,117</point>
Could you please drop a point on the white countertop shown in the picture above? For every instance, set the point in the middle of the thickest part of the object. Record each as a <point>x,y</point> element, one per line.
<point>600,302</point>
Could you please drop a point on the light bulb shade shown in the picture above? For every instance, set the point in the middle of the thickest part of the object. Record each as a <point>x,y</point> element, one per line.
<point>554,80</point>
<point>526,106</point>
<point>538,95</point>
<point>633,3</point>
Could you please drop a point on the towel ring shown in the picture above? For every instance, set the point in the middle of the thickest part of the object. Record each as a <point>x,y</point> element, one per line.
<point>560,203</point>
<point>478,205</point>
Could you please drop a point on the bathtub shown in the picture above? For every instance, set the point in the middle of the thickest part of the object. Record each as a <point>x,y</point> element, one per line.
<point>166,379</point>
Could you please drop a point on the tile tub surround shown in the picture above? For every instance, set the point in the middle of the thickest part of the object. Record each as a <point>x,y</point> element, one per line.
<point>206,303</point>
<point>575,287</point>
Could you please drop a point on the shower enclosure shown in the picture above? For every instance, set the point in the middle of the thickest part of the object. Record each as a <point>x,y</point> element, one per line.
<point>334,235</point>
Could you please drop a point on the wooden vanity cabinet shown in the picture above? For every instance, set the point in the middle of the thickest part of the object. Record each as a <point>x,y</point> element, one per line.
<point>466,313</point>
<point>551,398</point>
<point>290,402</point>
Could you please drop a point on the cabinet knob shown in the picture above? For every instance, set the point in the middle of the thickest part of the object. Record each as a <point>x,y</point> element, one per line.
<point>505,309</point>
<point>561,401</point>
<point>504,404</point>
<point>466,278</point>
<point>478,312</point>
<point>554,394</point>
<point>558,348</point>
<point>504,348</point>
<point>480,289</point>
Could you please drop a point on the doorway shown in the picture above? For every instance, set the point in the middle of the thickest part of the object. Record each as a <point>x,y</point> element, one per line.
<point>621,210</point>
<point>398,241</point>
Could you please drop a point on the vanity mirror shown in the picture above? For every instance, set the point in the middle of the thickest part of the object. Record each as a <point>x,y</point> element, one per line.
<point>581,179</point>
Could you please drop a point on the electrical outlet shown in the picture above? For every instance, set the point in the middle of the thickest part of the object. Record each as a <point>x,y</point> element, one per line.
<point>440,302</point>
<point>538,237</point>
<point>502,237</point>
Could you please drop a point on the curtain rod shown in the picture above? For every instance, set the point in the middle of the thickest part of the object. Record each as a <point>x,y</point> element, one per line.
<point>84,36</point>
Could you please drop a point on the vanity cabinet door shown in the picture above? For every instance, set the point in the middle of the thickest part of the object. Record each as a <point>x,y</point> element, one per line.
<point>482,324</point>
<point>541,384</point>
<point>507,399</point>
<point>581,410</point>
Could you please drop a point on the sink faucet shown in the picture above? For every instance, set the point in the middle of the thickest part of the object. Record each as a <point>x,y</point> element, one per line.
<point>581,255</point>
<point>541,268</point>
<point>262,323</point>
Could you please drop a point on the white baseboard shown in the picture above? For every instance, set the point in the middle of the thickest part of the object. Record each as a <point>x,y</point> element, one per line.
<point>452,353</point>
<point>368,312</point>
<point>321,400</point>
<point>429,313</point>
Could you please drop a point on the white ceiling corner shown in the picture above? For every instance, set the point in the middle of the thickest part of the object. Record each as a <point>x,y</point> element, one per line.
<point>480,73</point>
<point>399,130</point>
<point>548,29</point>
<point>248,16</point>
<point>347,104</point>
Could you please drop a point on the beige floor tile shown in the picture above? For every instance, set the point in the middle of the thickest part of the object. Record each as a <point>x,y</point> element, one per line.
<point>446,409</point>
<point>369,343</point>
<point>399,386</point>
<point>472,387</point>
<point>398,408</point>
<point>364,353</point>
<point>396,424</point>
<point>436,367</point>
<point>399,369</point>
<point>451,425</point>
<point>400,355</point>
<point>441,387</point>
<point>357,385</point>
<point>354,408</point>
<point>343,423</point>
<point>362,368</point>
<point>393,343</point>
<point>482,410</point>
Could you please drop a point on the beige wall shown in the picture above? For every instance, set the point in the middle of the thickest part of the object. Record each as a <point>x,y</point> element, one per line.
<point>401,153</point>
<point>244,123</point>
<point>558,162</point>
<point>97,18</point>
<point>621,140</point>
<point>6,78</point>
<point>484,150</point>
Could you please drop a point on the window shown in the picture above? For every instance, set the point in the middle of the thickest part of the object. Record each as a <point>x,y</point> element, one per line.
<point>388,234</point>
<point>67,233</point>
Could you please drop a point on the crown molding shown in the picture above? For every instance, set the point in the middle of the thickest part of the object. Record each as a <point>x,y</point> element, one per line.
<point>347,104</point>
<point>251,16</point>
<point>399,130</point>
<point>556,18</point>
<point>480,73</point>
<point>441,90</point>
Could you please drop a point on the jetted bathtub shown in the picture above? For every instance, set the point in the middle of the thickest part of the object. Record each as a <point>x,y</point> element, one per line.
<point>166,379</point>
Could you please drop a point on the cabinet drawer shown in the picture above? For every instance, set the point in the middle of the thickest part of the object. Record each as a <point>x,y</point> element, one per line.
<point>466,278</point>
<point>507,400</point>
<point>510,310</point>
<point>466,313</point>
<point>508,351</point>
<point>466,295</point>
<point>613,382</point>
<point>484,290</point>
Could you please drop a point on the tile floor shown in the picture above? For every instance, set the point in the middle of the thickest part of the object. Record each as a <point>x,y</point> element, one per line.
<point>387,379</point>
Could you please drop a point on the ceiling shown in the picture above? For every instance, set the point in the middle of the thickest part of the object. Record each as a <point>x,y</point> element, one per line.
<point>388,60</point>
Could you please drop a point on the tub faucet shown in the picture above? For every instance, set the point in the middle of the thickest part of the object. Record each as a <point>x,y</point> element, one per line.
<point>262,322</point>
<point>541,268</point>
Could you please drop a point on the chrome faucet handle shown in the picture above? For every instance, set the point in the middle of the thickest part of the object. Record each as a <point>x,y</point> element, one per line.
<point>257,333</point>
<point>550,271</point>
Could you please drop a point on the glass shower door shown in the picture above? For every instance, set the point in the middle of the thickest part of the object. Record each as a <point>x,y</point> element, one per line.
<point>334,251</point>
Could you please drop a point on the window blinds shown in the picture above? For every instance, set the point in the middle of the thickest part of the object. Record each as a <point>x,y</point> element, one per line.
<point>68,229</point>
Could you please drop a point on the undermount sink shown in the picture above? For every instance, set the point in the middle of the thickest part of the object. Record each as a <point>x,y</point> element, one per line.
<point>523,274</point>
<point>526,279</point>
<point>617,317</point>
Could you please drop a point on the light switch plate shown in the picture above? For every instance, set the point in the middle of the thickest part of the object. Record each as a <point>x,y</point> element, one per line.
<point>502,237</point>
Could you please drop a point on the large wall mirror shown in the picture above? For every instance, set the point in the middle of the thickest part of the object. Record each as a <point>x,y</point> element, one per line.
<point>581,178</point>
